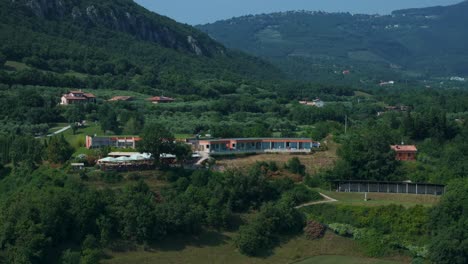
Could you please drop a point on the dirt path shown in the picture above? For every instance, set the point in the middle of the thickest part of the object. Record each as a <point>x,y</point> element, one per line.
<point>328,199</point>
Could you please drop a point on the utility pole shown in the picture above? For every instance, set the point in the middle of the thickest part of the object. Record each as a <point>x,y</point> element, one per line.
<point>346,124</point>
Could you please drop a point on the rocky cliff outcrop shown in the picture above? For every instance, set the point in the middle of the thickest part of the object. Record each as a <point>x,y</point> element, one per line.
<point>124,16</point>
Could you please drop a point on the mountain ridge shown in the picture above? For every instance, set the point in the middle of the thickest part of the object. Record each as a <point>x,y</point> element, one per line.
<point>429,41</point>
<point>128,18</point>
<point>114,44</point>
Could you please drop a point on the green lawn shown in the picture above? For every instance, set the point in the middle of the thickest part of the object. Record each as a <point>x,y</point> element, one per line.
<point>343,260</point>
<point>77,140</point>
<point>362,94</point>
<point>378,199</point>
<point>82,150</point>
<point>183,136</point>
<point>218,247</point>
<point>18,66</point>
<point>77,75</point>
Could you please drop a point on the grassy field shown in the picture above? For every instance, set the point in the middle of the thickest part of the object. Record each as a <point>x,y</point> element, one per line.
<point>378,199</point>
<point>365,56</point>
<point>362,94</point>
<point>216,247</point>
<point>184,136</point>
<point>77,140</point>
<point>17,66</point>
<point>343,260</point>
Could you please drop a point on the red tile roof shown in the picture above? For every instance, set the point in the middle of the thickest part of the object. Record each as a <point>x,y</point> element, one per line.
<point>68,97</point>
<point>161,99</point>
<point>84,96</point>
<point>77,92</point>
<point>404,148</point>
<point>120,98</point>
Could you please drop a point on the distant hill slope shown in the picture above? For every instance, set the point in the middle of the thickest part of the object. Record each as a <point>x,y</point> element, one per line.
<point>430,41</point>
<point>113,44</point>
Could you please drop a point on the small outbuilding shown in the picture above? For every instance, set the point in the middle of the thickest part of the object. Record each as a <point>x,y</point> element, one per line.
<point>120,98</point>
<point>405,152</point>
<point>161,100</point>
<point>77,166</point>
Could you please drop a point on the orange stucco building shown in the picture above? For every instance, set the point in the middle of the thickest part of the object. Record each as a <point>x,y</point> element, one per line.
<point>405,152</point>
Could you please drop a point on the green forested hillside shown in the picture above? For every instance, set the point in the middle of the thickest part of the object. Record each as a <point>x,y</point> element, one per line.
<point>429,41</point>
<point>112,44</point>
<point>53,210</point>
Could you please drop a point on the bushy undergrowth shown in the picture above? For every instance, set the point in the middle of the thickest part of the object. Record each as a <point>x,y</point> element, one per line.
<point>314,230</point>
<point>379,230</point>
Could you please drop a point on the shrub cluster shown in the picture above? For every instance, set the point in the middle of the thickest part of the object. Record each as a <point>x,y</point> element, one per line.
<point>273,221</point>
<point>314,230</point>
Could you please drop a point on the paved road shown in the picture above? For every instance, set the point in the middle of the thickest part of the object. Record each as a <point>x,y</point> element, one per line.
<point>327,200</point>
<point>57,132</point>
<point>204,156</point>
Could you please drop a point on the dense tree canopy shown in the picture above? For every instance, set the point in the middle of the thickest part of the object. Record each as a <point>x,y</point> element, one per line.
<point>26,150</point>
<point>366,155</point>
<point>448,221</point>
<point>54,214</point>
<point>59,150</point>
<point>156,140</point>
